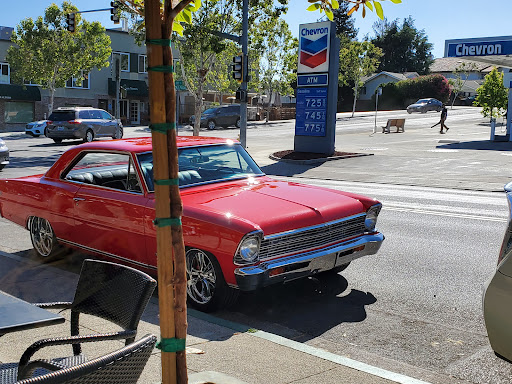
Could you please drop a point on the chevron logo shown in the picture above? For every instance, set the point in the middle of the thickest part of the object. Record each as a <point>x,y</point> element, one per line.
<point>313,52</point>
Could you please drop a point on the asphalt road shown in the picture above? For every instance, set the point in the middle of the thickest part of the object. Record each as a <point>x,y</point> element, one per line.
<point>414,308</point>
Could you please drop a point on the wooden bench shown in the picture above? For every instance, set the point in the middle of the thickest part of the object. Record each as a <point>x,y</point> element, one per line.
<point>398,123</point>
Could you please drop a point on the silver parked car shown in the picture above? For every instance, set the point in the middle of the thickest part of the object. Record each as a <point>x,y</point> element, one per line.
<point>498,295</point>
<point>82,123</point>
<point>425,105</point>
<point>36,128</point>
<point>4,154</point>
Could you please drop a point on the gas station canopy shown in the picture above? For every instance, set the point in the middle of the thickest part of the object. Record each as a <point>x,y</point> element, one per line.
<point>492,50</point>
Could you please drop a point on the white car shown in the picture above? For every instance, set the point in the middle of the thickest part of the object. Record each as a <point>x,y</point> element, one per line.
<point>36,128</point>
<point>498,295</point>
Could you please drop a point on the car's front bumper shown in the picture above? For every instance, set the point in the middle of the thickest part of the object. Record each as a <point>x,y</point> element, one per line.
<point>306,264</point>
<point>34,131</point>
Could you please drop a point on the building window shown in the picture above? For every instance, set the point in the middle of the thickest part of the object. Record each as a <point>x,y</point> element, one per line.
<point>5,74</point>
<point>143,64</point>
<point>18,112</point>
<point>81,82</point>
<point>125,60</point>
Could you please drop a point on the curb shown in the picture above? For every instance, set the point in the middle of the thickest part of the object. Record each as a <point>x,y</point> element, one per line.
<point>312,351</point>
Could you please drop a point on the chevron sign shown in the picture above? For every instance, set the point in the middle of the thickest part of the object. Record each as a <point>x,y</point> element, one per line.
<point>314,47</point>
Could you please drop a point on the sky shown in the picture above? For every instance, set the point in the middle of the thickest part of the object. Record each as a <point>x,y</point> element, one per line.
<point>440,19</point>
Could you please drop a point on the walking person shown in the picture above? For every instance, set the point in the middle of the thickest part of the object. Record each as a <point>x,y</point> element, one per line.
<point>444,114</point>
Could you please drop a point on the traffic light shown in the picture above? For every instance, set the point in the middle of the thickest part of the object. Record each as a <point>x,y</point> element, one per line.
<point>71,22</point>
<point>238,68</point>
<point>114,11</point>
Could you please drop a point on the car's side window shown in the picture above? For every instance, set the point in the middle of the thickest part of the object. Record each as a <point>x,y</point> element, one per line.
<point>84,115</point>
<point>110,170</point>
<point>95,114</point>
<point>105,115</point>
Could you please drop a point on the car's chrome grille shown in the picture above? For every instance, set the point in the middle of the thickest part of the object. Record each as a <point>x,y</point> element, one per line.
<point>309,238</point>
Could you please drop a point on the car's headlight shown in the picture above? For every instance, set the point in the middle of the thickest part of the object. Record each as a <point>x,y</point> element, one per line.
<point>371,217</point>
<point>249,249</point>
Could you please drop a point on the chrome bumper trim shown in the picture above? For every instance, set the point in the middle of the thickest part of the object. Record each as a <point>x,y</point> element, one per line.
<point>306,264</point>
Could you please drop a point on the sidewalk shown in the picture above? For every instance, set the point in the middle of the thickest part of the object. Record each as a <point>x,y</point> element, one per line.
<point>218,351</point>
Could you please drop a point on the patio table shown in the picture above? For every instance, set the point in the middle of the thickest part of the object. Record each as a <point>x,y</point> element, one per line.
<point>19,315</point>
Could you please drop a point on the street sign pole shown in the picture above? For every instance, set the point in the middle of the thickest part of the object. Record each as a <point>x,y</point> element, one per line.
<point>245,69</point>
<point>117,67</point>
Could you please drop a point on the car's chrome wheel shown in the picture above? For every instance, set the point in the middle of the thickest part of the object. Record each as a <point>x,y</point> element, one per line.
<point>237,123</point>
<point>211,124</point>
<point>206,288</point>
<point>89,136</point>
<point>43,239</point>
<point>202,279</point>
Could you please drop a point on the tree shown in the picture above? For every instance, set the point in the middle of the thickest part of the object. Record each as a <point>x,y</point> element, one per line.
<point>462,70</point>
<point>357,59</point>
<point>200,49</point>
<point>344,23</point>
<point>405,48</point>
<point>45,53</point>
<point>277,56</point>
<point>492,95</point>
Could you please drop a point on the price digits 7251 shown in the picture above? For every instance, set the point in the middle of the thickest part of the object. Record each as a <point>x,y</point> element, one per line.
<point>312,102</point>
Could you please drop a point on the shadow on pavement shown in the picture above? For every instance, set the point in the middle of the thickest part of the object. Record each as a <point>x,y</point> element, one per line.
<point>484,145</point>
<point>39,161</point>
<point>288,169</point>
<point>302,309</point>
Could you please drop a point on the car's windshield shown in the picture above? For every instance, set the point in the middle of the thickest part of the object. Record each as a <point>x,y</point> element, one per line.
<point>210,110</point>
<point>206,164</point>
<point>422,101</point>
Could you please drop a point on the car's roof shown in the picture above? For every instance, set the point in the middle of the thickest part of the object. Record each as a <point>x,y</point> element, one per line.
<point>144,144</point>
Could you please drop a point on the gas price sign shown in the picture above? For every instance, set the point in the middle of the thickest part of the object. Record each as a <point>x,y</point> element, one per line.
<point>311,111</point>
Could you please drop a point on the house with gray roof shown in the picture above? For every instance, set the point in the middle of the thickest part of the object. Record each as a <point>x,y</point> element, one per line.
<point>374,81</point>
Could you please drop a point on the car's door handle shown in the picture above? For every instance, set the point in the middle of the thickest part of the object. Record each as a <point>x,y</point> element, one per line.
<point>77,199</point>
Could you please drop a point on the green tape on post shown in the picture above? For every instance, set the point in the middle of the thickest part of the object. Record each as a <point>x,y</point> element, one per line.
<point>167,221</point>
<point>167,182</point>
<point>162,68</point>
<point>162,127</point>
<point>163,42</point>
<point>171,345</point>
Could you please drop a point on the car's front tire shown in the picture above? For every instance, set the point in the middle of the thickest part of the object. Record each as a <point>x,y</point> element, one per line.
<point>43,239</point>
<point>211,125</point>
<point>238,123</point>
<point>409,111</point>
<point>206,288</point>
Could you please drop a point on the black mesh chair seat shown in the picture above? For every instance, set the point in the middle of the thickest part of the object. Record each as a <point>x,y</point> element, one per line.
<point>110,291</point>
<point>120,367</point>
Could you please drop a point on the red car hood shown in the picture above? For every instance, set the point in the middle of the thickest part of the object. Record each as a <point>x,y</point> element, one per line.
<point>271,205</point>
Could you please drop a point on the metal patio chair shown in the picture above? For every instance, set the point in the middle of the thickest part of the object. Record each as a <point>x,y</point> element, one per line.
<point>110,291</point>
<point>123,366</point>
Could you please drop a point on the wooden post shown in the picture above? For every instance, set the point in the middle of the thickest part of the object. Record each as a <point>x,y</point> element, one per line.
<point>165,266</point>
<point>178,245</point>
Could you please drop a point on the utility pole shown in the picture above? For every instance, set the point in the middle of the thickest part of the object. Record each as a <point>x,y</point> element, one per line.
<point>243,86</point>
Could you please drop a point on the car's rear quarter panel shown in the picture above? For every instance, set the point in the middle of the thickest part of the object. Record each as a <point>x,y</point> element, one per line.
<point>20,197</point>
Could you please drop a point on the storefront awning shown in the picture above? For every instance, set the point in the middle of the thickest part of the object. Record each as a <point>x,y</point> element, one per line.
<point>19,92</point>
<point>134,88</point>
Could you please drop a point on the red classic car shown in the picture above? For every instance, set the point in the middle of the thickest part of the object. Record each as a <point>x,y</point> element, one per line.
<point>242,229</point>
